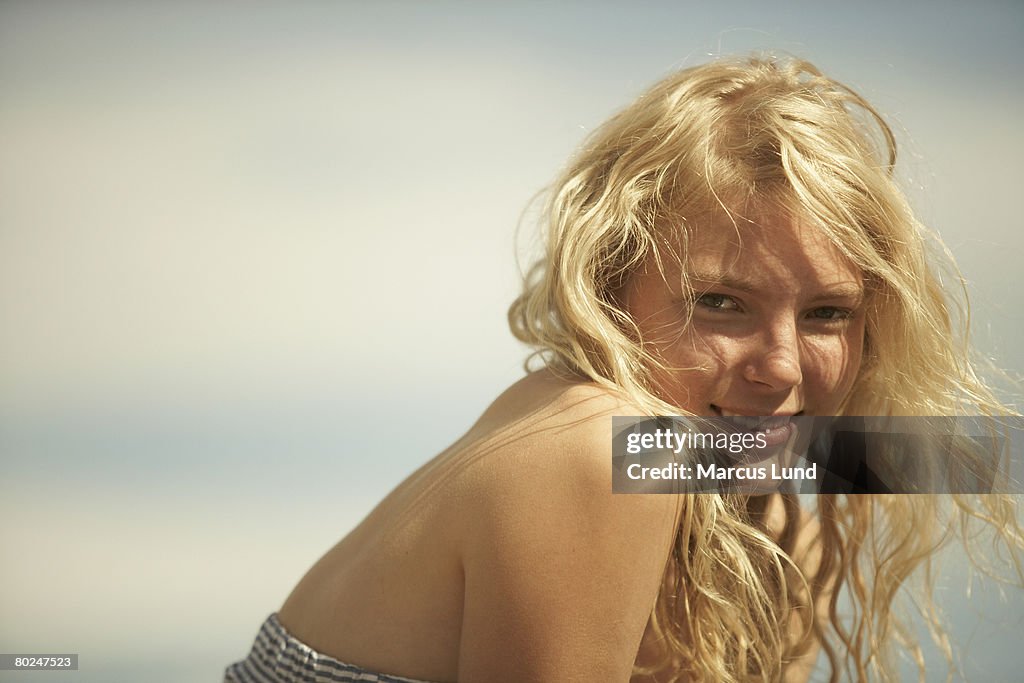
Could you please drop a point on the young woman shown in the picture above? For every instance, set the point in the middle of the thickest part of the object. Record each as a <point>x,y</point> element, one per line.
<point>731,244</point>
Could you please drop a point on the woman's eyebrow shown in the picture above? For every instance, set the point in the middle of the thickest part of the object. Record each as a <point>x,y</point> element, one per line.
<point>850,289</point>
<point>737,282</point>
<point>840,290</point>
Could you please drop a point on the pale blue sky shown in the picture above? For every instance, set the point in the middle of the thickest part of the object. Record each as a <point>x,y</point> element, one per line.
<point>254,263</point>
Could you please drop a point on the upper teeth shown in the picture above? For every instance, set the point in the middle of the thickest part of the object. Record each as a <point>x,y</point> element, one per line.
<point>755,422</point>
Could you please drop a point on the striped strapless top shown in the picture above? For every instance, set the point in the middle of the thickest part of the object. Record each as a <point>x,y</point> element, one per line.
<point>279,657</point>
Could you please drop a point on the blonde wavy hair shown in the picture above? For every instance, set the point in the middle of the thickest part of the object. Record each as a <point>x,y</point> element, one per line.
<point>717,138</point>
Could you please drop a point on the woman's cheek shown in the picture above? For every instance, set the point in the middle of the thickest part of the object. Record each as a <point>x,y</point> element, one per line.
<point>831,363</point>
<point>717,354</point>
<point>692,368</point>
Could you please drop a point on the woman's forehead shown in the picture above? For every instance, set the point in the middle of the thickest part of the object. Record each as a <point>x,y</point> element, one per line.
<point>775,248</point>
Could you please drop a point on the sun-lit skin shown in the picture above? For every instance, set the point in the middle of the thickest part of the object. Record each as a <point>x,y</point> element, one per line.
<point>777,324</point>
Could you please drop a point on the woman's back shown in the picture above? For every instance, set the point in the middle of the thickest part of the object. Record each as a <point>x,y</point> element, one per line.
<point>488,527</point>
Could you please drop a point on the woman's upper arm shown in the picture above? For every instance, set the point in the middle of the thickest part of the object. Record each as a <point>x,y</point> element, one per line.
<point>561,575</point>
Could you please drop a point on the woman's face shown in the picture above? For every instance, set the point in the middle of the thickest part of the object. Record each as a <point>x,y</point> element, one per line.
<point>777,324</point>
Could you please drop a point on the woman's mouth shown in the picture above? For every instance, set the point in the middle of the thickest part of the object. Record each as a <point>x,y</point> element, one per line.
<point>776,429</point>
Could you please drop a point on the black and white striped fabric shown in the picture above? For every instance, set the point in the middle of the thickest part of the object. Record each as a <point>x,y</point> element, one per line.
<point>279,657</point>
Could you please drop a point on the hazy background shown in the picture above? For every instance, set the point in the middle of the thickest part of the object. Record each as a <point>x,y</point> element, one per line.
<point>255,261</point>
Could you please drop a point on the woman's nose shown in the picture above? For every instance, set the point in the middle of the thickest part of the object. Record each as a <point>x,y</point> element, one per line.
<point>774,360</point>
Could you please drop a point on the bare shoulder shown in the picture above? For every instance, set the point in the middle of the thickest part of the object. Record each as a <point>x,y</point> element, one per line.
<point>561,575</point>
<point>547,394</point>
<point>552,445</point>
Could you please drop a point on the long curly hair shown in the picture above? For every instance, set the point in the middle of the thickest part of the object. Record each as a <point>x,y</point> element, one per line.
<point>734,606</point>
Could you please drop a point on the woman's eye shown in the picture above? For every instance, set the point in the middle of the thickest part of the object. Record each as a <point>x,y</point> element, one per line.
<point>831,313</point>
<point>718,302</point>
